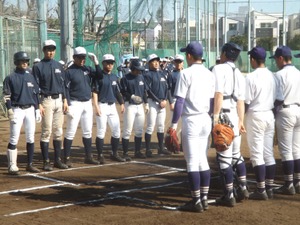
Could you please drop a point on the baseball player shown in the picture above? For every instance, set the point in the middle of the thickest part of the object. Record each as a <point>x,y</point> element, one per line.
<point>260,123</point>
<point>20,92</point>
<point>78,92</point>
<point>194,91</point>
<point>50,76</point>
<point>105,93</point>
<point>288,119</point>
<point>229,97</point>
<point>158,94</point>
<point>133,89</point>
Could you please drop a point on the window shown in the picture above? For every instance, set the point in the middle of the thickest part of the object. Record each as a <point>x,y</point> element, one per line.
<point>232,26</point>
<point>265,25</point>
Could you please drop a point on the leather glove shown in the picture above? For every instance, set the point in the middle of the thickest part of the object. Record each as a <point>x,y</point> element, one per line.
<point>11,116</point>
<point>38,116</point>
<point>94,58</point>
<point>136,99</point>
<point>147,108</point>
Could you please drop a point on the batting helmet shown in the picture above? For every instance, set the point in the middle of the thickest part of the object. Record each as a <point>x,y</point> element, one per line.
<point>18,56</point>
<point>231,50</point>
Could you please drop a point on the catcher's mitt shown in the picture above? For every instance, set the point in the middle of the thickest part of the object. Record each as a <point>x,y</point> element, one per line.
<point>171,141</point>
<point>223,136</point>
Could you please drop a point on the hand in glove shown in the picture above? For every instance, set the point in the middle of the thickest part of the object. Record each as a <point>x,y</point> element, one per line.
<point>38,116</point>
<point>11,116</point>
<point>147,108</point>
<point>136,99</point>
<point>94,58</point>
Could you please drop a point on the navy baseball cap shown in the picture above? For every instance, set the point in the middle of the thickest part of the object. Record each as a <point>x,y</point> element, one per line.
<point>297,55</point>
<point>282,51</point>
<point>135,64</point>
<point>258,53</point>
<point>193,48</point>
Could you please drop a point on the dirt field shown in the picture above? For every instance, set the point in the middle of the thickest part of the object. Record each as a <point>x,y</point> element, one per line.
<point>137,192</point>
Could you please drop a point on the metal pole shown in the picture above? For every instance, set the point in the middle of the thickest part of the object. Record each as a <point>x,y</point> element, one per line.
<point>2,50</point>
<point>130,26</point>
<point>283,25</point>
<point>187,27</point>
<point>23,34</point>
<point>208,33</point>
<point>217,30</point>
<point>42,20</point>
<point>198,22</point>
<point>249,33</point>
<point>66,30</point>
<point>79,34</point>
<point>162,24</point>
<point>175,27</point>
<point>225,23</point>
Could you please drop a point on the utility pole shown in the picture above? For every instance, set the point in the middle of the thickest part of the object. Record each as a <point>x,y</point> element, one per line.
<point>42,12</point>
<point>66,30</point>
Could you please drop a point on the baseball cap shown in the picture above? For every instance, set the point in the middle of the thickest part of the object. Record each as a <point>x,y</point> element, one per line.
<point>49,43</point>
<point>193,48</point>
<point>257,53</point>
<point>178,57</point>
<point>152,57</point>
<point>79,51</point>
<point>231,50</point>
<point>297,55</point>
<point>144,60</point>
<point>108,57</point>
<point>135,64</point>
<point>282,51</point>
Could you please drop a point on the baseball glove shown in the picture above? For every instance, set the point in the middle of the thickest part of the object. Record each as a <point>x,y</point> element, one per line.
<point>171,141</point>
<point>223,136</point>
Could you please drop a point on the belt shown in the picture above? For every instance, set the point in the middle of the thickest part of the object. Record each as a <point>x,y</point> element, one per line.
<point>108,103</point>
<point>226,110</point>
<point>54,96</point>
<point>22,106</point>
<point>290,106</point>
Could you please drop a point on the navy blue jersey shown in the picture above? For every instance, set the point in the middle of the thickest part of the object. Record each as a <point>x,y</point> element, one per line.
<point>21,88</point>
<point>173,77</point>
<point>158,85</point>
<point>108,88</point>
<point>133,85</point>
<point>78,81</point>
<point>50,77</point>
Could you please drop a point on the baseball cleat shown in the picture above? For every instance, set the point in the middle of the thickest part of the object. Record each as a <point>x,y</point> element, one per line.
<point>117,158</point>
<point>192,206</point>
<point>13,170</point>
<point>68,162</point>
<point>256,195</point>
<point>126,157</point>
<point>270,193</point>
<point>164,152</point>
<point>101,159</point>
<point>32,169</point>
<point>47,166</point>
<point>139,155</point>
<point>242,194</point>
<point>284,190</point>
<point>226,201</point>
<point>90,160</point>
<point>60,165</point>
<point>297,188</point>
<point>148,154</point>
<point>204,203</point>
